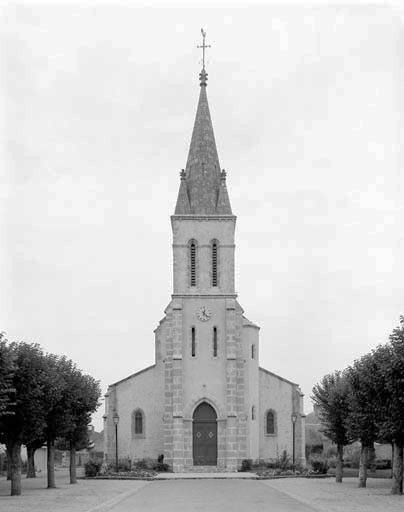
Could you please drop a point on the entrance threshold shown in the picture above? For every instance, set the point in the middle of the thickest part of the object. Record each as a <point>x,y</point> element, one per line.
<point>191,475</point>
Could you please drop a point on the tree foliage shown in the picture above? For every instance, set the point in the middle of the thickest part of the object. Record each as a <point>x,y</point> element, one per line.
<point>331,396</point>
<point>47,397</point>
<point>366,403</point>
<point>7,368</point>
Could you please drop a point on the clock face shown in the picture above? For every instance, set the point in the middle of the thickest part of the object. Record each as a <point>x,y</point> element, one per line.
<point>203,313</point>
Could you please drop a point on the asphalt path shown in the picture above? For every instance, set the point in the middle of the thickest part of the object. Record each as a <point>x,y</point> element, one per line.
<point>209,495</point>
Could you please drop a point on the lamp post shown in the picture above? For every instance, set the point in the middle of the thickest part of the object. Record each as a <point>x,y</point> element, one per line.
<point>115,417</point>
<point>294,419</point>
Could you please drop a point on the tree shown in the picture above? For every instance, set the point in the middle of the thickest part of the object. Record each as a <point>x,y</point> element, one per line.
<point>390,399</point>
<point>7,369</point>
<point>27,411</point>
<point>361,421</point>
<point>32,446</point>
<point>81,402</point>
<point>71,400</point>
<point>55,402</point>
<point>331,396</point>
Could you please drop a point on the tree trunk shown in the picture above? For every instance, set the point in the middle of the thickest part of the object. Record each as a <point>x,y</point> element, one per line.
<point>50,445</point>
<point>372,457</point>
<point>339,465</point>
<point>8,466</point>
<point>392,459</point>
<point>14,452</point>
<point>363,466</point>
<point>30,462</point>
<point>72,466</point>
<point>397,487</point>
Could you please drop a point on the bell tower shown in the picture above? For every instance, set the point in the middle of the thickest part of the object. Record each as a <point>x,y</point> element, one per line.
<point>203,361</point>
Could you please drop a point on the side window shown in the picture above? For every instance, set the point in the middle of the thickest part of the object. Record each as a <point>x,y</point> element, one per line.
<point>270,423</point>
<point>253,412</point>
<point>137,423</point>
<point>193,343</point>
<point>214,341</point>
<point>252,351</point>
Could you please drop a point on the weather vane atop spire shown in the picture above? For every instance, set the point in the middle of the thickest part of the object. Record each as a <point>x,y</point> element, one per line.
<point>203,46</point>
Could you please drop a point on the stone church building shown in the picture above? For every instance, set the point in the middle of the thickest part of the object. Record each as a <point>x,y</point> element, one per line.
<point>205,401</point>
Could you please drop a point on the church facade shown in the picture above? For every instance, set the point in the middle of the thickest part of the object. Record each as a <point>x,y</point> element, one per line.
<point>205,401</point>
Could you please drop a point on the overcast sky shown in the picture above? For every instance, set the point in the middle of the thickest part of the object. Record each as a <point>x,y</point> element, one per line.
<point>100,101</point>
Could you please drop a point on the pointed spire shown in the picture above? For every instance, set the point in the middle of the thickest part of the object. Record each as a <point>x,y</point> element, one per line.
<point>203,187</point>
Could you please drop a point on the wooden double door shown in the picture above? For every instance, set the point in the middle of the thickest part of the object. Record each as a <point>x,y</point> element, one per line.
<point>204,436</point>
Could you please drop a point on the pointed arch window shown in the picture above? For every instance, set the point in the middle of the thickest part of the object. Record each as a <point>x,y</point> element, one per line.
<point>192,263</point>
<point>138,426</point>
<point>270,423</point>
<point>253,412</point>
<point>214,341</point>
<point>214,248</point>
<point>193,342</point>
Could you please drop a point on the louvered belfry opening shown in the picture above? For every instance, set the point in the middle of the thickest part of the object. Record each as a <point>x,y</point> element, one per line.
<point>193,263</point>
<point>214,264</point>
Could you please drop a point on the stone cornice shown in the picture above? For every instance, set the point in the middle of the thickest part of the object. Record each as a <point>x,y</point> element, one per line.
<point>203,217</point>
<point>204,296</point>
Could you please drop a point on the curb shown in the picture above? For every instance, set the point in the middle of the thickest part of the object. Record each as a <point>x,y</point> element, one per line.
<point>147,478</point>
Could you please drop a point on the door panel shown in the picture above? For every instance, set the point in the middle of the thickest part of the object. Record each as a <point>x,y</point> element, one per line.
<point>205,443</point>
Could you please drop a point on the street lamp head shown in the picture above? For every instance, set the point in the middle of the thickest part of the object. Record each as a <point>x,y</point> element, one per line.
<point>115,417</point>
<point>294,417</point>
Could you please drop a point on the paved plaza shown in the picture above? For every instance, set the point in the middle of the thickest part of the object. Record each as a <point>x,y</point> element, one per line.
<point>199,495</point>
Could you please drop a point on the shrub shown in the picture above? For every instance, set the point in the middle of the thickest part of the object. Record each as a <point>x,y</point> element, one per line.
<point>92,468</point>
<point>332,462</point>
<point>316,448</point>
<point>246,465</point>
<point>383,464</point>
<point>124,464</point>
<point>259,464</point>
<point>331,452</point>
<point>161,467</point>
<point>283,461</point>
<point>319,465</point>
<point>146,463</point>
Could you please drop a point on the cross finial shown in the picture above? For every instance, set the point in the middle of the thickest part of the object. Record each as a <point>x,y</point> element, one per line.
<point>203,46</point>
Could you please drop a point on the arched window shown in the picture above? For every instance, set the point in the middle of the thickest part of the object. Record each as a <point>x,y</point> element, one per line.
<point>138,423</point>
<point>193,344</point>
<point>214,263</point>
<point>252,351</point>
<point>214,341</point>
<point>270,423</point>
<point>192,263</point>
<point>253,412</point>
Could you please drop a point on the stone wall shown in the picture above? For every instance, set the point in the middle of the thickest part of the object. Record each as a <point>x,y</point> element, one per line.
<point>282,397</point>
<point>143,391</point>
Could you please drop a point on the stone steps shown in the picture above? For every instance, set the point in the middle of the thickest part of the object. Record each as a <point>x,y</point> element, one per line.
<point>204,469</point>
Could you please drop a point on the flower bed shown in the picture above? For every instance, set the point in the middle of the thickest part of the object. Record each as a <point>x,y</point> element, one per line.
<point>273,473</point>
<point>137,474</point>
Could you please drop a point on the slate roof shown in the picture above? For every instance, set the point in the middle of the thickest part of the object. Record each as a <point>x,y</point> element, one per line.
<point>203,188</point>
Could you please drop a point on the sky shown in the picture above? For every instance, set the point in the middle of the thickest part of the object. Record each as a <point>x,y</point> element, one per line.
<point>99,102</point>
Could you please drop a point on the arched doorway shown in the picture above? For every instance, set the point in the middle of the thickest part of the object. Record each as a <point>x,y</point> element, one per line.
<point>204,435</point>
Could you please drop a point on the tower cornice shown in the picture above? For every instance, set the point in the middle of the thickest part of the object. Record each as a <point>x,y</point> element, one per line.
<point>203,217</point>
<point>204,296</point>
